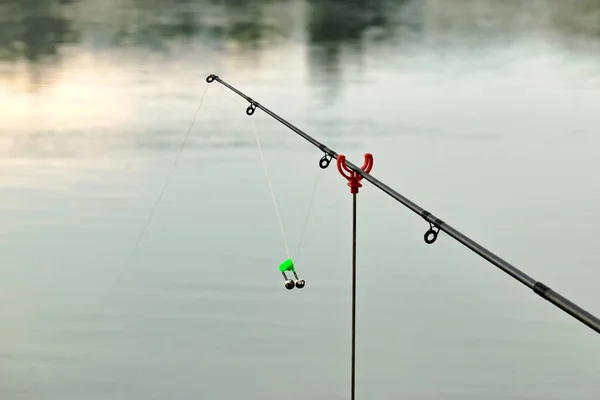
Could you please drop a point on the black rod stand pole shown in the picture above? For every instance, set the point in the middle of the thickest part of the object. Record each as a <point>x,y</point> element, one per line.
<point>354,184</point>
<point>538,287</point>
<point>352,381</point>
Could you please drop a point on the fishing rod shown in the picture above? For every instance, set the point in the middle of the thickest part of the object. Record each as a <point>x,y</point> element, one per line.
<point>435,224</point>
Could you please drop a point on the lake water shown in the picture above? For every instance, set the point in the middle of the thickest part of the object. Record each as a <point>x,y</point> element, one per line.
<point>486,113</point>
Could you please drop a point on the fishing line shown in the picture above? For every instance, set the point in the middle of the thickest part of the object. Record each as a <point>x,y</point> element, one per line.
<point>287,265</point>
<point>262,157</point>
<point>264,164</point>
<point>273,193</point>
<point>164,187</point>
<point>147,224</point>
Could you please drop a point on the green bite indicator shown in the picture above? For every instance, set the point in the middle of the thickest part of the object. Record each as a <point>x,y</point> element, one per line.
<point>287,266</point>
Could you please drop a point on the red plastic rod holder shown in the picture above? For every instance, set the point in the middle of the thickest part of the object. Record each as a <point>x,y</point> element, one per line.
<point>352,176</point>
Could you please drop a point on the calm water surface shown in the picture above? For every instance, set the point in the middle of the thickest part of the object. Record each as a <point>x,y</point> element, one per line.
<point>485,112</point>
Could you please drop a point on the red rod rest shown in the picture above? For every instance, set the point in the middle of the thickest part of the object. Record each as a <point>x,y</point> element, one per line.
<point>351,175</point>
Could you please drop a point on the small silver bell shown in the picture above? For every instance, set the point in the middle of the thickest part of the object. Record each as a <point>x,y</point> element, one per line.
<point>300,283</point>
<point>289,284</point>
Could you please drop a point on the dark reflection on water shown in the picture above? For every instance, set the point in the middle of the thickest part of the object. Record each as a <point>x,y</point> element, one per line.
<point>151,23</point>
<point>40,39</point>
<point>37,30</point>
<point>154,24</point>
<point>337,22</point>
<point>334,26</point>
<point>44,41</point>
<point>34,29</point>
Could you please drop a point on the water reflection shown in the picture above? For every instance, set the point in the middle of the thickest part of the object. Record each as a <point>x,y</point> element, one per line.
<point>336,28</point>
<point>336,22</point>
<point>85,58</point>
<point>34,29</point>
<point>37,30</point>
<point>505,19</point>
<point>157,25</point>
<point>152,23</point>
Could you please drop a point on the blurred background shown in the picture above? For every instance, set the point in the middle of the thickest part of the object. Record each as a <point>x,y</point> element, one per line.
<point>484,112</point>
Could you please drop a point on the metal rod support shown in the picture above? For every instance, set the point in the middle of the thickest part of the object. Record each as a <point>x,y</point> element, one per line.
<point>353,364</point>
<point>538,287</point>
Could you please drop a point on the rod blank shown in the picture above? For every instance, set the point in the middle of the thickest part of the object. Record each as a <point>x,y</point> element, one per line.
<point>538,287</point>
